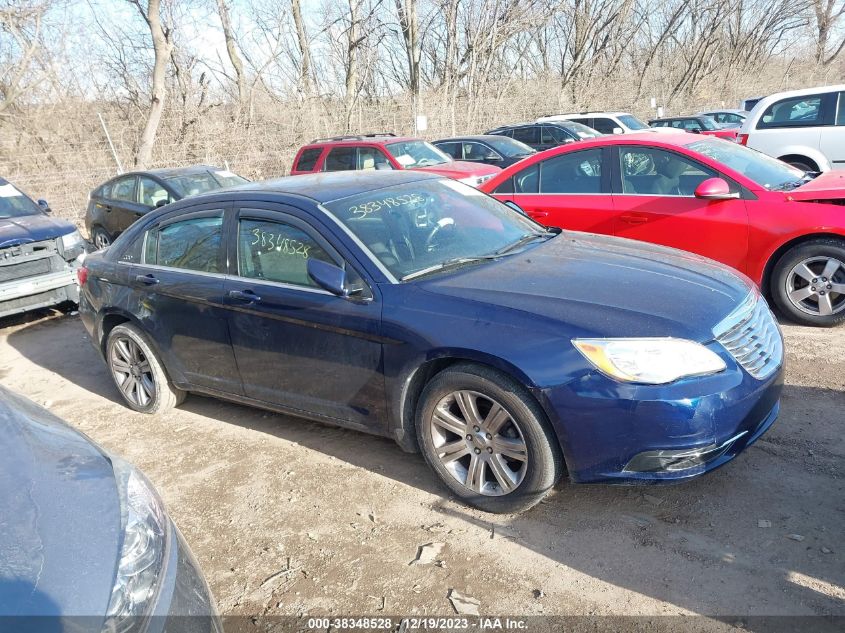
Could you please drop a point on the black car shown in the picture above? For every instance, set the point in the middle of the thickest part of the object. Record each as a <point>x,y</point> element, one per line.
<point>542,136</point>
<point>116,204</point>
<point>492,149</point>
<point>86,544</point>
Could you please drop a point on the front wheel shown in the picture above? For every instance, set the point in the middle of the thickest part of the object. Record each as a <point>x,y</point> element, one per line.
<point>487,439</point>
<point>808,283</point>
<point>138,373</point>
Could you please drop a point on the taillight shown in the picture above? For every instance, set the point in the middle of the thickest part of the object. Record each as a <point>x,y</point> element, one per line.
<point>82,275</point>
<point>742,139</point>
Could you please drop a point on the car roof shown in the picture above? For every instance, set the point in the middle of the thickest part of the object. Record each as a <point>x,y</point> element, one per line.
<point>170,172</point>
<point>801,93</point>
<point>361,139</point>
<point>679,117</point>
<point>327,186</point>
<point>473,137</point>
<point>728,110</point>
<point>580,114</point>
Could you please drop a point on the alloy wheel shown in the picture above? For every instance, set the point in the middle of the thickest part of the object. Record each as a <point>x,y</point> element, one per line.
<point>132,371</point>
<point>479,443</point>
<point>101,240</point>
<point>816,286</point>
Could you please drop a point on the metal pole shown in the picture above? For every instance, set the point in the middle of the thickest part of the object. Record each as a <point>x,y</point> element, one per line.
<point>111,145</point>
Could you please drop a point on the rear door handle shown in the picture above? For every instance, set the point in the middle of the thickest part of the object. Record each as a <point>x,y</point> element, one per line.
<point>244,295</point>
<point>107,208</point>
<point>146,279</point>
<point>634,219</point>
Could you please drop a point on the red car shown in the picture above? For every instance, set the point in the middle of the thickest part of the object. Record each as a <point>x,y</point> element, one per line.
<point>778,225</point>
<point>386,151</point>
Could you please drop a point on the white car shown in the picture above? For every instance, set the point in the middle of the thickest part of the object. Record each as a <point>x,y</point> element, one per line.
<point>604,122</point>
<point>805,128</point>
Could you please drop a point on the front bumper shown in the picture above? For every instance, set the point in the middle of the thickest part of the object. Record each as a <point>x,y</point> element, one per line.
<point>615,432</point>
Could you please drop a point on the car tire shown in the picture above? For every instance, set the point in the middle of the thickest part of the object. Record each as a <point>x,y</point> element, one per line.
<point>138,373</point>
<point>802,164</point>
<point>521,453</point>
<point>100,238</point>
<point>811,298</point>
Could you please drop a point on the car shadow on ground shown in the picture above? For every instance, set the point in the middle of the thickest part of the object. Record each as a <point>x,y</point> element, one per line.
<point>707,528</point>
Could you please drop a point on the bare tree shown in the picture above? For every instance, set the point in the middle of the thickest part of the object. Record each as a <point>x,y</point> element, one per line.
<point>305,78</point>
<point>232,51</point>
<point>162,46</point>
<point>828,13</point>
<point>23,65</point>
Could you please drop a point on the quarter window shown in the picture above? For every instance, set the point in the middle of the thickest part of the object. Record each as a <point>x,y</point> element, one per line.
<point>276,251</point>
<point>192,244</point>
<point>124,189</point>
<point>308,159</point>
<point>577,172</point>
<point>657,172</point>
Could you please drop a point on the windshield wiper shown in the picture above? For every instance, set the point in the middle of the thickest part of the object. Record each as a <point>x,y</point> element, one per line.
<point>449,263</point>
<point>522,241</point>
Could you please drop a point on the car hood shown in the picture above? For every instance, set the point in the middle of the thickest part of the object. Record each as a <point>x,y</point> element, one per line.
<point>605,286</point>
<point>32,228</point>
<point>460,169</point>
<point>60,524</point>
<point>827,186</point>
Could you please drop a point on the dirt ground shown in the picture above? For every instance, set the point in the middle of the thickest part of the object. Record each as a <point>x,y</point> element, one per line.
<point>341,515</point>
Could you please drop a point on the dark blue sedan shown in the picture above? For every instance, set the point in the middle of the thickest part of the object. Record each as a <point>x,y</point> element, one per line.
<point>415,307</point>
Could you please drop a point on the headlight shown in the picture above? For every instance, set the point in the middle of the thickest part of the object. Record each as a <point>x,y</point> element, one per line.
<point>142,552</point>
<point>71,241</point>
<point>654,361</point>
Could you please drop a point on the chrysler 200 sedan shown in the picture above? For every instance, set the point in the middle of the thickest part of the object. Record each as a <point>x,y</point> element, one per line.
<point>85,542</point>
<point>416,307</point>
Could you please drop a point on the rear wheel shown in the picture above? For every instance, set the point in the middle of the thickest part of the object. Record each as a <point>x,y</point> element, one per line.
<point>808,282</point>
<point>100,237</point>
<point>138,373</point>
<point>487,439</point>
<point>799,162</point>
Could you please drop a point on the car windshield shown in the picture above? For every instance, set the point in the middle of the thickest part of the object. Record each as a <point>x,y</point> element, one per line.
<point>202,181</point>
<point>509,147</point>
<point>13,204</point>
<point>769,172</point>
<point>632,122</point>
<point>423,227</point>
<point>416,154</point>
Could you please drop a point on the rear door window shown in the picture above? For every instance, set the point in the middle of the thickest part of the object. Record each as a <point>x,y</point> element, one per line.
<point>574,173</point>
<point>308,159</point>
<point>527,134</point>
<point>840,114</point>
<point>341,159</point>
<point>124,189</point>
<point>150,192</point>
<point>452,149</point>
<point>191,244</point>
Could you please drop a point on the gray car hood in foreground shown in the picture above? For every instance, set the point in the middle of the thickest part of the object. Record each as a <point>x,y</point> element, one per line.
<point>59,515</point>
<point>605,286</point>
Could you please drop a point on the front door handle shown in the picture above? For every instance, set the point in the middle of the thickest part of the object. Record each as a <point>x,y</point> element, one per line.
<point>538,214</point>
<point>146,279</point>
<point>244,295</point>
<point>107,208</point>
<point>634,219</point>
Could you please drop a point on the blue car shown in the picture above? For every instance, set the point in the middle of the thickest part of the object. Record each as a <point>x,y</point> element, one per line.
<point>415,307</point>
<point>37,254</point>
<point>85,542</point>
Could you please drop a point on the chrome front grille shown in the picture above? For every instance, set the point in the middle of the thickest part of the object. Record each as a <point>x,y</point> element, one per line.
<point>751,334</point>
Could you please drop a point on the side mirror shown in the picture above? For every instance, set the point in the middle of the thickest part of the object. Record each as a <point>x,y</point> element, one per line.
<point>513,205</point>
<point>45,207</point>
<point>329,277</point>
<point>618,130</point>
<point>715,189</point>
<point>162,203</point>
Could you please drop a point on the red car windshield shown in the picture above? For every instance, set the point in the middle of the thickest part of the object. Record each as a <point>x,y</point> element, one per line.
<point>416,154</point>
<point>766,171</point>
